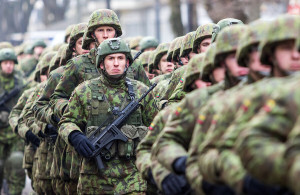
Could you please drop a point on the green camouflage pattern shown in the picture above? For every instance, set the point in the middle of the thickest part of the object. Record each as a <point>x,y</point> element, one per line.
<point>151,61</point>
<point>77,116</point>
<point>104,17</point>
<point>256,32</point>
<point>28,66</point>
<point>148,42</point>
<point>160,78</point>
<point>86,40</point>
<point>55,61</point>
<point>202,32</point>
<point>206,73</point>
<point>187,44</point>
<point>77,32</point>
<point>144,162</point>
<point>68,31</point>
<point>4,45</point>
<point>45,62</point>
<point>39,43</point>
<point>144,58</point>
<point>161,50</point>
<point>171,49</point>
<point>176,49</point>
<point>285,27</point>
<point>8,54</point>
<point>222,24</point>
<point>228,41</point>
<point>193,70</point>
<point>135,41</point>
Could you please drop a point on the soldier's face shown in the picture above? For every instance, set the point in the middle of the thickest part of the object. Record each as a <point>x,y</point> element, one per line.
<point>198,84</point>
<point>255,65</point>
<point>184,60</point>
<point>165,66</point>
<point>38,51</point>
<point>204,45</point>
<point>78,47</point>
<point>104,32</point>
<point>149,75</point>
<point>219,74</point>
<point>7,66</point>
<point>115,63</point>
<point>43,78</point>
<point>287,58</point>
<point>92,45</point>
<point>233,67</point>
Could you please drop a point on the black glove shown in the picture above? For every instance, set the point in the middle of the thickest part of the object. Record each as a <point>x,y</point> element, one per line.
<point>150,177</point>
<point>253,186</point>
<point>30,137</point>
<point>213,189</point>
<point>175,184</point>
<point>50,130</point>
<point>81,144</point>
<point>179,165</point>
<point>55,119</point>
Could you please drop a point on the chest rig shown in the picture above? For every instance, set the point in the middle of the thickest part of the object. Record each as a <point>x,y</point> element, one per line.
<point>103,112</point>
<point>90,70</point>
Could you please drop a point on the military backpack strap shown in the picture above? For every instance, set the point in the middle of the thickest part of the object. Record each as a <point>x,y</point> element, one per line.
<point>130,89</point>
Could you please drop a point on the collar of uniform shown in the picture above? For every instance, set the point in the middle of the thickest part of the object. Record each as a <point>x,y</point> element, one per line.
<point>120,83</point>
<point>92,55</point>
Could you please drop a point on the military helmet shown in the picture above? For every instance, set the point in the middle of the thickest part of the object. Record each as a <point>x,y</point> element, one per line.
<point>104,17</point>
<point>298,44</point>
<point>64,54</point>
<point>28,49</point>
<point>8,54</point>
<point>228,40</point>
<point>202,32</point>
<point>171,49</point>
<point>148,42</point>
<point>46,62</point>
<point>286,27</point>
<point>187,43</point>
<point>39,43</point>
<point>76,33</point>
<point>193,70</point>
<point>68,32</point>
<point>254,34</point>
<point>151,61</point>
<point>161,50</point>
<point>135,41</point>
<point>176,50</point>
<point>222,24</point>
<point>208,63</point>
<point>144,58</point>
<point>86,40</point>
<point>111,46</point>
<point>55,62</point>
<point>6,45</point>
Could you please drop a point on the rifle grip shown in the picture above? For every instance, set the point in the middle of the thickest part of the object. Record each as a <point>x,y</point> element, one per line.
<point>99,162</point>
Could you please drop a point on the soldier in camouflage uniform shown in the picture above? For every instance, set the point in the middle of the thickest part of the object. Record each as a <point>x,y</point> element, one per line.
<point>6,45</point>
<point>103,24</point>
<point>144,57</point>
<point>68,32</point>
<point>178,128</point>
<point>148,44</point>
<point>44,113</point>
<point>85,112</point>
<point>11,146</point>
<point>202,39</point>
<point>135,43</point>
<point>175,56</point>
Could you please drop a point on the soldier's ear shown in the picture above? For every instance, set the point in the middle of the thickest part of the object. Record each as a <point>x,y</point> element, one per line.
<point>127,62</point>
<point>101,65</point>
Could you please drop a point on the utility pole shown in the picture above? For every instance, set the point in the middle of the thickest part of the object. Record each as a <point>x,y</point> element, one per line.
<point>108,4</point>
<point>157,19</point>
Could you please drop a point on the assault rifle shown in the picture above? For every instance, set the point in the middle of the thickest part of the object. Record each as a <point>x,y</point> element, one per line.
<point>6,96</point>
<point>104,139</point>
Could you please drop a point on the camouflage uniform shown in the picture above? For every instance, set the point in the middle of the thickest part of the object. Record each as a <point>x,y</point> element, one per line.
<point>11,147</point>
<point>222,24</point>
<point>84,112</point>
<point>202,32</point>
<point>176,51</point>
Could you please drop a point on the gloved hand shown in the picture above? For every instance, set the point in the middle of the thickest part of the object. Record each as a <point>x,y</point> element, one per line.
<point>150,177</point>
<point>179,165</point>
<point>175,184</point>
<point>55,119</point>
<point>30,137</point>
<point>50,130</point>
<point>253,186</point>
<point>81,144</point>
<point>213,189</point>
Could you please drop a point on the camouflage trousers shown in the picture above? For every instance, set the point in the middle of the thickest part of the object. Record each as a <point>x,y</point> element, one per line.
<point>71,187</point>
<point>58,186</point>
<point>11,160</point>
<point>119,177</point>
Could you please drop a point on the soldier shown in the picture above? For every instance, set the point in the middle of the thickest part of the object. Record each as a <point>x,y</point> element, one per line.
<point>144,57</point>
<point>43,111</point>
<point>68,32</point>
<point>160,59</point>
<point>6,45</point>
<point>175,56</point>
<point>11,147</point>
<point>103,24</point>
<point>148,44</point>
<point>203,38</point>
<point>135,43</point>
<point>111,92</point>
<point>38,48</point>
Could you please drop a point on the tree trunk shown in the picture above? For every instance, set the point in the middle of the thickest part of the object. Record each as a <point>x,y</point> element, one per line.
<point>175,18</point>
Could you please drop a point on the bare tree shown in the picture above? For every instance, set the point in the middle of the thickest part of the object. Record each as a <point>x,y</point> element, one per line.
<point>53,11</point>
<point>192,15</point>
<point>175,18</point>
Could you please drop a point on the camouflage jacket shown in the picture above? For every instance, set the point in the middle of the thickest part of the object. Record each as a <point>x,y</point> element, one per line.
<point>268,148</point>
<point>42,109</point>
<point>144,162</point>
